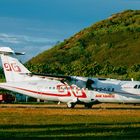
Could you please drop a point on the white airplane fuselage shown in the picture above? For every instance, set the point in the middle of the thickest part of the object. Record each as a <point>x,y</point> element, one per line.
<point>53,90</point>
<point>70,89</point>
<point>117,91</point>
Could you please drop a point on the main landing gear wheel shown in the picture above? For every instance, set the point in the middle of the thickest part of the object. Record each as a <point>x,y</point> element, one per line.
<point>89,106</point>
<point>70,105</point>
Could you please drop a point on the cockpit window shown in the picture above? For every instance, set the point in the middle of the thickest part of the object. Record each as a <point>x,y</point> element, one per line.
<point>136,86</point>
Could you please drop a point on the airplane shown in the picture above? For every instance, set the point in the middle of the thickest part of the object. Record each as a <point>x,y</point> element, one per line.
<point>71,90</point>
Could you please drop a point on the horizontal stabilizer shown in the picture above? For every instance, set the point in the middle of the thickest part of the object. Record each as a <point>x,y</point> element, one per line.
<point>14,70</point>
<point>9,51</point>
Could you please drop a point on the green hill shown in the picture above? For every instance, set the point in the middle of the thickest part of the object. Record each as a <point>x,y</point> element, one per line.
<point>110,47</point>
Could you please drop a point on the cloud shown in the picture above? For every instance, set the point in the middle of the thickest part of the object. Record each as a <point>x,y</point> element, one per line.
<point>8,39</point>
<point>17,39</point>
<point>32,45</point>
<point>37,39</point>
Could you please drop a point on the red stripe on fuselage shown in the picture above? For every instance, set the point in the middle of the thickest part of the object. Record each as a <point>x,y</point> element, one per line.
<point>43,93</point>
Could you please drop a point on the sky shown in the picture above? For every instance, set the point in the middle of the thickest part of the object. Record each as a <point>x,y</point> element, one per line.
<point>33,26</point>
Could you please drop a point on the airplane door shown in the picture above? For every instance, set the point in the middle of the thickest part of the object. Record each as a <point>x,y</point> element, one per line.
<point>40,90</point>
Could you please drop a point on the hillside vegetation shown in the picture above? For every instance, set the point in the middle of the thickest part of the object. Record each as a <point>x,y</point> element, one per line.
<point>109,48</point>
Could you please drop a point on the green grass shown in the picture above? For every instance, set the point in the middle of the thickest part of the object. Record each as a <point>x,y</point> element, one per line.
<point>90,130</point>
<point>60,123</point>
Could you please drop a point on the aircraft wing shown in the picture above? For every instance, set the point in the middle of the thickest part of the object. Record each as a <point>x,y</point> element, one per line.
<point>52,75</point>
<point>82,82</point>
<point>61,78</point>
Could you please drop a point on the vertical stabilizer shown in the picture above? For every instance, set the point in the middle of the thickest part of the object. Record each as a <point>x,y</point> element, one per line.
<point>13,69</point>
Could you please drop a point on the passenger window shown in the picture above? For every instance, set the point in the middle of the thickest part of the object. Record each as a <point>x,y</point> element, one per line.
<point>136,86</point>
<point>100,89</point>
<point>139,86</point>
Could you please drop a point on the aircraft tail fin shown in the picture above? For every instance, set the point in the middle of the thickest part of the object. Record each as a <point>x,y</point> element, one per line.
<point>14,71</point>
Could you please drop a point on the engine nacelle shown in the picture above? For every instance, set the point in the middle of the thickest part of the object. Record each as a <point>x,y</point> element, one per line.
<point>89,84</point>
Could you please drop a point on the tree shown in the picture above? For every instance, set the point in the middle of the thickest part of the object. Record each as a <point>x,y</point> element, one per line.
<point>120,70</point>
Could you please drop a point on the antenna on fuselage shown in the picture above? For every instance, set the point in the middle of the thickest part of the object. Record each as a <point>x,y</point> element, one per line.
<point>132,79</point>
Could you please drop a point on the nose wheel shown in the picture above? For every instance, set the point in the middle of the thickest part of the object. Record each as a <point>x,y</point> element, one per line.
<point>70,105</point>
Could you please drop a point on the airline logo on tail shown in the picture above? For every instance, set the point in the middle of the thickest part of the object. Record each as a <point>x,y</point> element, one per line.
<point>12,67</point>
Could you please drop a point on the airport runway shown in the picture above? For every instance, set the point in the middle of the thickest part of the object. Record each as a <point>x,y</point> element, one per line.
<point>52,121</point>
<point>64,106</point>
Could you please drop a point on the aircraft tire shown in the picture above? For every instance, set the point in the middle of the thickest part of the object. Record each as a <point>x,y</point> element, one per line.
<point>88,106</point>
<point>71,105</point>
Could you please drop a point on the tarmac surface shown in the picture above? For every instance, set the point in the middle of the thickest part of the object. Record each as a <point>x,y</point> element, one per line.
<point>64,106</point>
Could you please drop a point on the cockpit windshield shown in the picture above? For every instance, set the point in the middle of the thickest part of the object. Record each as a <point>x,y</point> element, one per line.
<point>137,86</point>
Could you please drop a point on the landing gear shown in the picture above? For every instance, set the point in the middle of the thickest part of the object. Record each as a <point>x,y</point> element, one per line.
<point>89,106</point>
<point>70,105</point>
